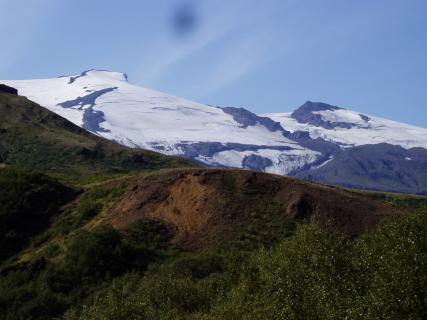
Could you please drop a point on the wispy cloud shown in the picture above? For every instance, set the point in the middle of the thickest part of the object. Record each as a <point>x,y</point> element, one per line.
<point>240,58</point>
<point>160,55</point>
<point>238,31</point>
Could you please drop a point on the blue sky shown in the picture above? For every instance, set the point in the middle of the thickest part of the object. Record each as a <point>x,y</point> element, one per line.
<point>266,56</point>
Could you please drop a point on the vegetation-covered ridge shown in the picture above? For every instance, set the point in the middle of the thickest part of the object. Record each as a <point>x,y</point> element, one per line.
<point>148,239</point>
<point>267,263</point>
<point>313,274</point>
<point>32,136</point>
<point>204,206</point>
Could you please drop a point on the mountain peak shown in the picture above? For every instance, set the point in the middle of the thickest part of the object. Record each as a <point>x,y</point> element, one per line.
<point>100,74</point>
<point>319,114</point>
<point>310,106</point>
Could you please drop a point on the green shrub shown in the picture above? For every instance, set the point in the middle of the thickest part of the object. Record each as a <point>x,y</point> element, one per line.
<point>87,209</point>
<point>302,278</point>
<point>27,202</point>
<point>391,270</point>
<point>120,301</point>
<point>313,274</point>
<point>51,251</point>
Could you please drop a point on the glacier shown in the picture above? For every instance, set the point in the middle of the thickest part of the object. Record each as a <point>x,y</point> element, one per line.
<point>317,141</point>
<point>107,104</point>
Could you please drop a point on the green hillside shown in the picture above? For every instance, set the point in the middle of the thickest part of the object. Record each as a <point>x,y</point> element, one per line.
<point>91,230</point>
<point>34,137</point>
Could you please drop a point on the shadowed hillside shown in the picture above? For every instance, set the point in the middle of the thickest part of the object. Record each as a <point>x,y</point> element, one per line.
<point>381,167</point>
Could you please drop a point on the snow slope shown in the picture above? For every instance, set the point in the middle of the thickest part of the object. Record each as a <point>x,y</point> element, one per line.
<point>106,104</point>
<point>361,130</point>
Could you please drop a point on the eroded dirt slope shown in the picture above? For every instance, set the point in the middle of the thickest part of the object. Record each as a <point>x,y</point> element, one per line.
<point>205,206</point>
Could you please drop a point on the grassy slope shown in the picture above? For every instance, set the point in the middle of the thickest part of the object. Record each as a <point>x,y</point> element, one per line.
<point>78,259</point>
<point>402,200</point>
<point>206,206</point>
<point>230,213</point>
<point>27,202</point>
<point>35,137</point>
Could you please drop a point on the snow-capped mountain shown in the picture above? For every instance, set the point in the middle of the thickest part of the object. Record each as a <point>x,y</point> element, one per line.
<point>348,128</point>
<point>106,104</point>
<point>317,141</point>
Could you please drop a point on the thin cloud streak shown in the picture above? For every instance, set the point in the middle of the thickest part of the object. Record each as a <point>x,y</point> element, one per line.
<point>243,57</point>
<point>164,53</point>
<point>236,58</point>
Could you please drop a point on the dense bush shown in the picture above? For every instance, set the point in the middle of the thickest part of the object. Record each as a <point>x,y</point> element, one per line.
<point>391,270</point>
<point>315,274</point>
<point>87,209</point>
<point>120,301</point>
<point>27,201</point>
<point>90,262</point>
<point>179,289</point>
<point>319,275</point>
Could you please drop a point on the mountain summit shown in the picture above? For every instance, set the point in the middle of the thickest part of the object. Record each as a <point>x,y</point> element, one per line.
<point>106,104</point>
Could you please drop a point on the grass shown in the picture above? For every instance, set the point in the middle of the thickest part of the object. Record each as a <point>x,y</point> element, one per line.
<point>402,200</point>
<point>34,137</point>
<point>86,212</point>
<point>62,255</point>
<point>78,264</point>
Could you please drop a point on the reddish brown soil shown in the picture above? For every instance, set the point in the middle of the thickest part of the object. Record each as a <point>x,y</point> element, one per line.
<point>205,206</point>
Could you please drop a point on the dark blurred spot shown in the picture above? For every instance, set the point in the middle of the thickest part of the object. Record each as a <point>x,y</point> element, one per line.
<point>184,19</point>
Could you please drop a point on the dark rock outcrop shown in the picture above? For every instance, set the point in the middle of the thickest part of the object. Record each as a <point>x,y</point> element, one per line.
<point>381,167</point>
<point>6,89</point>
<point>255,162</point>
<point>305,114</point>
<point>91,118</point>
<point>246,118</point>
<point>208,149</point>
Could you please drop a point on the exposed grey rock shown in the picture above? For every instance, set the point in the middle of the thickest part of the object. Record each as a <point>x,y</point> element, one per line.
<point>255,162</point>
<point>365,118</point>
<point>193,151</point>
<point>91,118</point>
<point>247,118</point>
<point>305,114</point>
<point>208,149</point>
<point>88,99</point>
<point>382,167</point>
<point>296,135</point>
<point>84,73</point>
<point>72,79</point>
